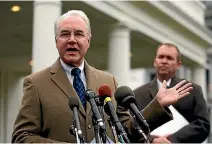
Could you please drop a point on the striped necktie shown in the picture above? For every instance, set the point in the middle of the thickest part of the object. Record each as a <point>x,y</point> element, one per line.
<point>78,85</point>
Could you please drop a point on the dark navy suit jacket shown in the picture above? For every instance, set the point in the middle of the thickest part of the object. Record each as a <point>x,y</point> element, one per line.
<point>193,107</point>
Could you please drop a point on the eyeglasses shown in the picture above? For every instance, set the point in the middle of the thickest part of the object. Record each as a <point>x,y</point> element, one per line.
<point>78,34</point>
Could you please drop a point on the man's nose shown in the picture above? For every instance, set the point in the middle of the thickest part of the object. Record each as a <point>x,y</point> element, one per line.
<point>164,60</point>
<point>72,38</point>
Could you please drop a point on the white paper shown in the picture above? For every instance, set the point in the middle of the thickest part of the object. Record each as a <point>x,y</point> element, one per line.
<point>172,126</point>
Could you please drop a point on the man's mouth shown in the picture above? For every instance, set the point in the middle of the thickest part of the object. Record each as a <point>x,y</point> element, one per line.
<point>163,68</point>
<point>72,49</point>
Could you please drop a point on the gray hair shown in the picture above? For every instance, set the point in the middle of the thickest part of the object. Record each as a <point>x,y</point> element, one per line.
<point>70,13</point>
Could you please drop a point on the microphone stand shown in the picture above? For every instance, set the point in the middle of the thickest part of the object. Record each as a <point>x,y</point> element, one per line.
<point>95,123</point>
<point>73,131</point>
<point>96,130</point>
<point>119,136</point>
<point>122,133</point>
<point>100,126</point>
<point>141,132</point>
<point>113,130</point>
<point>78,134</point>
<point>99,130</point>
<point>102,132</point>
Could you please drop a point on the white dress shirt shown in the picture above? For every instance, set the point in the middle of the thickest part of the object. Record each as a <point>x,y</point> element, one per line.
<point>160,83</point>
<point>68,70</point>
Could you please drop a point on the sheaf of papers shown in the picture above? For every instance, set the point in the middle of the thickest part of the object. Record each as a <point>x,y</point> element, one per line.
<point>172,126</point>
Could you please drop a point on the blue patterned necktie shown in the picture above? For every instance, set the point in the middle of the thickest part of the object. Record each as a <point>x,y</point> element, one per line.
<point>78,85</point>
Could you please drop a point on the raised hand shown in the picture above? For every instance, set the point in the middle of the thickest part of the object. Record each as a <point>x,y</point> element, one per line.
<point>170,96</point>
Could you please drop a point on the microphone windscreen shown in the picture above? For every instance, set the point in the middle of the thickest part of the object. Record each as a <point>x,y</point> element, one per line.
<point>123,92</point>
<point>105,90</point>
<point>89,94</point>
<point>73,102</point>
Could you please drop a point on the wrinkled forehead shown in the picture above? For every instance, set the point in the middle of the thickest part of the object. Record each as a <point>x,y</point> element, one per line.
<point>72,23</point>
<point>168,50</point>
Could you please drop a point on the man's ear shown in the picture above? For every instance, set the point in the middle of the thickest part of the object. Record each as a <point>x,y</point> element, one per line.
<point>89,40</point>
<point>179,63</point>
<point>154,63</point>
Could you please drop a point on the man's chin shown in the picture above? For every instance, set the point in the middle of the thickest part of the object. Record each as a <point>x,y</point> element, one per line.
<point>73,61</point>
<point>163,73</point>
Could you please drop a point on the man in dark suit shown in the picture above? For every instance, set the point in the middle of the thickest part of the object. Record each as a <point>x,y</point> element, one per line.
<point>192,107</point>
<point>45,115</point>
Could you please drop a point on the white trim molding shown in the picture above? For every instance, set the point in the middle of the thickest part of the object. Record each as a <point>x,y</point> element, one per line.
<point>139,20</point>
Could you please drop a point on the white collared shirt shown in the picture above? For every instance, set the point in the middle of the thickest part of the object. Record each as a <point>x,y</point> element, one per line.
<point>160,83</point>
<point>68,70</point>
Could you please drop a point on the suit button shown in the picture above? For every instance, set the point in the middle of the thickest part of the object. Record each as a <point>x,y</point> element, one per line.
<point>89,126</point>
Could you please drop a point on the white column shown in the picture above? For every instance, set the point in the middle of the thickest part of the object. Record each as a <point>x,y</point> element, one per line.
<point>44,48</point>
<point>184,72</point>
<point>199,77</point>
<point>181,72</point>
<point>188,74</point>
<point>119,54</point>
<point>138,77</point>
<point>13,102</point>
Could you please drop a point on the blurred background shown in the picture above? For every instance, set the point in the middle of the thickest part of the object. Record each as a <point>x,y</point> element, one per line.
<point>125,35</point>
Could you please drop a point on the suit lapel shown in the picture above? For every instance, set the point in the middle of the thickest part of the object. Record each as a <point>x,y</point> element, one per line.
<point>174,81</point>
<point>153,87</point>
<point>61,80</point>
<point>91,79</point>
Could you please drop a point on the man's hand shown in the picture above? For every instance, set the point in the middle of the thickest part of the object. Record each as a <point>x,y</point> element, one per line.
<point>169,96</point>
<point>161,139</point>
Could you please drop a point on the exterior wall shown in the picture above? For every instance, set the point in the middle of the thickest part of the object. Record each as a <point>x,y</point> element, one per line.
<point>11,88</point>
<point>138,77</point>
<point>194,9</point>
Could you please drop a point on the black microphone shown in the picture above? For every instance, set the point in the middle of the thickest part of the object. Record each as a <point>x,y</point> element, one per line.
<point>90,97</point>
<point>74,106</point>
<point>104,95</point>
<point>126,98</point>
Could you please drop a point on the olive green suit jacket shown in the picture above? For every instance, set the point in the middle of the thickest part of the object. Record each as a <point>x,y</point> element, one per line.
<point>45,115</point>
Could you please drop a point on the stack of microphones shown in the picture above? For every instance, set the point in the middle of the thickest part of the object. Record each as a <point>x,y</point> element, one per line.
<point>75,128</point>
<point>126,98</point>
<point>103,103</point>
